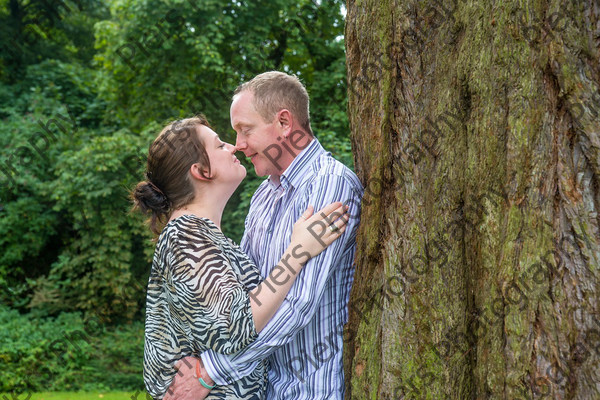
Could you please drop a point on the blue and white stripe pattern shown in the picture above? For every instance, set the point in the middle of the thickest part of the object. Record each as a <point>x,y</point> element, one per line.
<point>303,341</point>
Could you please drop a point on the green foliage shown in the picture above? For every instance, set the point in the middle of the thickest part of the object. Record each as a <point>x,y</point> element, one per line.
<point>65,223</point>
<point>37,30</point>
<point>66,353</point>
<point>98,264</point>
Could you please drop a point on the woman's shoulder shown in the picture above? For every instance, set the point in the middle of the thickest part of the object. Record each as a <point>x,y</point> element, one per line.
<point>189,234</point>
<point>190,226</point>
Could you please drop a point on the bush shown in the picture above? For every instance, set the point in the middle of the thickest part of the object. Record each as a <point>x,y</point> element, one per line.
<point>67,353</point>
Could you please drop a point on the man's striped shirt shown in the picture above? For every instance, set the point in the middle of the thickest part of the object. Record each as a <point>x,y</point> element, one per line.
<point>303,341</point>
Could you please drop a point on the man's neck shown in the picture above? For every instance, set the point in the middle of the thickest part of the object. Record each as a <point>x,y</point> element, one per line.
<point>275,179</point>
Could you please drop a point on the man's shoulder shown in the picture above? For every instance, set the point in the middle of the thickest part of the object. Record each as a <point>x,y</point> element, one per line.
<point>326,167</point>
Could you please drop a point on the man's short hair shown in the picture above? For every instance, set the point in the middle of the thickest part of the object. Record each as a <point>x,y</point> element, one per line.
<point>274,91</point>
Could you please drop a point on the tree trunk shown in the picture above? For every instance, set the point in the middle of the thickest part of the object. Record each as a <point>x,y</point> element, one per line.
<point>475,131</point>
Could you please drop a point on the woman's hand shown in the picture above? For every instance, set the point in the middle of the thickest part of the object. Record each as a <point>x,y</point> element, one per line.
<point>315,232</point>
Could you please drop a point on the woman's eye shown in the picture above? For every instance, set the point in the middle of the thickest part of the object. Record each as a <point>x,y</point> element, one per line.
<point>222,145</point>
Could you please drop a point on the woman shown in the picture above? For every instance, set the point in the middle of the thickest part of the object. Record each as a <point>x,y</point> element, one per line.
<point>204,292</point>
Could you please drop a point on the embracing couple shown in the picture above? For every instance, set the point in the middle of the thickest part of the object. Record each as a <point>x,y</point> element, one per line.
<point>263,320</point>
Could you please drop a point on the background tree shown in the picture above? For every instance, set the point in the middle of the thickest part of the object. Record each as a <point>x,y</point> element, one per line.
<point>475,130</point>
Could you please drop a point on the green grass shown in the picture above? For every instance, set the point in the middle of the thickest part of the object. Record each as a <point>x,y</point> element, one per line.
<point>78,396</point>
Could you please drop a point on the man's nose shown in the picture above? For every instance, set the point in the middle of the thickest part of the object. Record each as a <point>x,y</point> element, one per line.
<point>239,144</point>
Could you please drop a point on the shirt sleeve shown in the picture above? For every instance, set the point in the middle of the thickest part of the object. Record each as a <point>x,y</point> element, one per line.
<point>209,299</point>
<point>305,295</point>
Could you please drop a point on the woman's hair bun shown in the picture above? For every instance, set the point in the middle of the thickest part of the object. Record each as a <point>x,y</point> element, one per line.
<point>150,199</point>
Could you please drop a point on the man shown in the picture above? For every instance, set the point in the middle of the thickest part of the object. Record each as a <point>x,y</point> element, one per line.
<point>303,341</point>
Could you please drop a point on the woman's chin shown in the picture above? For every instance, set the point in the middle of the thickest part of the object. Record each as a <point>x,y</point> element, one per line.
<point>242,176</point>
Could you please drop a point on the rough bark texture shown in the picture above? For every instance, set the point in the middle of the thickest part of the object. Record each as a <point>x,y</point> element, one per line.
<point>475,130</point>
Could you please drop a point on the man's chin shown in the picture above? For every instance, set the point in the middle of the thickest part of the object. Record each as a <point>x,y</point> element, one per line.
<point>259,171</point>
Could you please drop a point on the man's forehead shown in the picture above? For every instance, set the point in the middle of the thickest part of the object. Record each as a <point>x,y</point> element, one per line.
<point>242,97</point>
<point>239,121</point>
<point>242,112</point>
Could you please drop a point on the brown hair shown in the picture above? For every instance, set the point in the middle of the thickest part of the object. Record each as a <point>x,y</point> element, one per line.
<point>168,186</point>
<point>274,91</point>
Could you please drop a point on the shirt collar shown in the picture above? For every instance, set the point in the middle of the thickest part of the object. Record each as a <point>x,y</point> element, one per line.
<point>296,171</point>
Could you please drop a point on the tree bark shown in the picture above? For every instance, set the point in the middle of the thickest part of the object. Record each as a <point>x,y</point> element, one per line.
<point>475,131</point>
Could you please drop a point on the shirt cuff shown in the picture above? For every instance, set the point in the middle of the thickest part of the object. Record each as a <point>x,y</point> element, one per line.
<point>215,369</point>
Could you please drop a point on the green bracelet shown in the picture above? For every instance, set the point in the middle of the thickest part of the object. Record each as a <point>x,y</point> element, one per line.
<point>206,385</point>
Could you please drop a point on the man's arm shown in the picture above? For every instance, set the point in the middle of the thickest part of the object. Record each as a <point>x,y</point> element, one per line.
<point>304,297</point>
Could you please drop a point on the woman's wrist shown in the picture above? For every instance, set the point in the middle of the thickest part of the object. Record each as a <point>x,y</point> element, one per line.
<point>295,256</point>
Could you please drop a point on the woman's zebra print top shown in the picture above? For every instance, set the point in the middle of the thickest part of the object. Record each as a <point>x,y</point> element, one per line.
<point>198,300</point>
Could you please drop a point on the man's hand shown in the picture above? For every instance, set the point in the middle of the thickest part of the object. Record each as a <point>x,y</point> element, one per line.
<point>186,386</point>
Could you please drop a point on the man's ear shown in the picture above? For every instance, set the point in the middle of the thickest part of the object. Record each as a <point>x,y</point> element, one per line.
<point>285,121</point>
<point>196,174</point>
